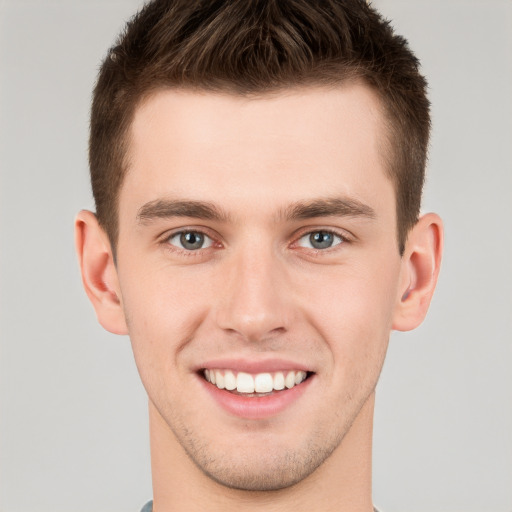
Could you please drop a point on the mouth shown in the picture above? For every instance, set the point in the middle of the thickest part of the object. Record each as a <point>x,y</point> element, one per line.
<point>258,389</point>
<point>254,385</point>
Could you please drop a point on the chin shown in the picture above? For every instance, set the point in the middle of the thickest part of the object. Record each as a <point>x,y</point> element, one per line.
<point>265,469</point>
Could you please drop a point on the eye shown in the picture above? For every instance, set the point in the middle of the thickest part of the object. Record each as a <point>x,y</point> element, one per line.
<point>190,240</point>
<point>320,240</point>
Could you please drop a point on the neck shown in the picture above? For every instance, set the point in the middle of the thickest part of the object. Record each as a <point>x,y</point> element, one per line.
<point>342,482</point>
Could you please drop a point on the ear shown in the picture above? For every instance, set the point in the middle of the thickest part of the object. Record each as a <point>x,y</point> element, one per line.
<point>99,274</point>
<point>421,262</point>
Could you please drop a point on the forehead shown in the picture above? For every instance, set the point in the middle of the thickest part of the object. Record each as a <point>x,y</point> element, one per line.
<point>274,148</point>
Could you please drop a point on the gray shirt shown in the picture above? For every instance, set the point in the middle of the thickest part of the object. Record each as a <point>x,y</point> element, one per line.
<point>148,507</point>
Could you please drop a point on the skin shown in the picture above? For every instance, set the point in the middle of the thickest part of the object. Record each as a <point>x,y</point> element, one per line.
<point>258,290</point>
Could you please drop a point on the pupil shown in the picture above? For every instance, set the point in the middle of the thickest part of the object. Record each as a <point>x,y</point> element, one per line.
<point>191,240</point>
<point>321,240</point>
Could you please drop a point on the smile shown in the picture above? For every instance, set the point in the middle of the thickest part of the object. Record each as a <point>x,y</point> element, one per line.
<point>254,384</point>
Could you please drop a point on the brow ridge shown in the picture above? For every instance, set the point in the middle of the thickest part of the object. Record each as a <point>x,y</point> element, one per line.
<point>165,208</point>
<point>300,210</point>
<point>328,207</point>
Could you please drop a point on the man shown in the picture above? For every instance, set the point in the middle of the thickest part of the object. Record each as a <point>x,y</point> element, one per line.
<point>257,169</point>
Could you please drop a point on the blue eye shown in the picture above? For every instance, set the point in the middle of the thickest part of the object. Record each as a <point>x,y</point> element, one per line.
<point>190,240</point>
<point>320,240</point>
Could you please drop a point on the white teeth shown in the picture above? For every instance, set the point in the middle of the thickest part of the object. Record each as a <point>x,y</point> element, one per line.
<point>299,377</point>
<point>219,379</point>
<point>229,380</point>
<point>263,383</point>
<point>279,381</point>
<point>259,383</point>
<point>244,383</point>
<point>289,381</point>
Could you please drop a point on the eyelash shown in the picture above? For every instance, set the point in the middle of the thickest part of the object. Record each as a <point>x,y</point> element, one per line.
<point>344,239</point>
<point>165,241</point>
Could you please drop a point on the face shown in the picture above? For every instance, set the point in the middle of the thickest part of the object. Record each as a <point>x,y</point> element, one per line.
<point>258,272</point>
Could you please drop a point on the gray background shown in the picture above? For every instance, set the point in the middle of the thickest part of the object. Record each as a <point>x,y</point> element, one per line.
<point>73,432</point>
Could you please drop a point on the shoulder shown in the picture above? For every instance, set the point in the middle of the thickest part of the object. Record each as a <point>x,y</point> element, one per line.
<point>148,507</point>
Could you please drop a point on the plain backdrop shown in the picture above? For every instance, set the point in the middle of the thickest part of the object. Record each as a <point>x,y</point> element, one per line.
<point>73,418</point>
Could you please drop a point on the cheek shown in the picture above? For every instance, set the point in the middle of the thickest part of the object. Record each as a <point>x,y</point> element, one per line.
<point>158,297</point>
<point>163,311</point>
<point>354,312</point>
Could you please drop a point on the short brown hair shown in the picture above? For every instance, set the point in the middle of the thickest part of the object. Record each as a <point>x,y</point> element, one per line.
<point>254,47</point>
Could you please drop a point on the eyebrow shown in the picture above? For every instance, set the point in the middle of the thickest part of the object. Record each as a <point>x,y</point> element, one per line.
<point>165,208</point>
<point>328,207</point>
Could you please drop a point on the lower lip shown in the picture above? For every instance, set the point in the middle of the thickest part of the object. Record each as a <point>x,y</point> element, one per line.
<point>258,407</point>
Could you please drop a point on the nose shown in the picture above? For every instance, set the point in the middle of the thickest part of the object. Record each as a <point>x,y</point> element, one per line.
<point>253,302</point>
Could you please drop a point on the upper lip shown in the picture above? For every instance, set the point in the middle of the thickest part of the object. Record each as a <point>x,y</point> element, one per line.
<point>253,366</point>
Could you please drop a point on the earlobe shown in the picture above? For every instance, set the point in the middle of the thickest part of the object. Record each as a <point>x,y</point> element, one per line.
<point>420,269</point>
<point>99,275</point>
